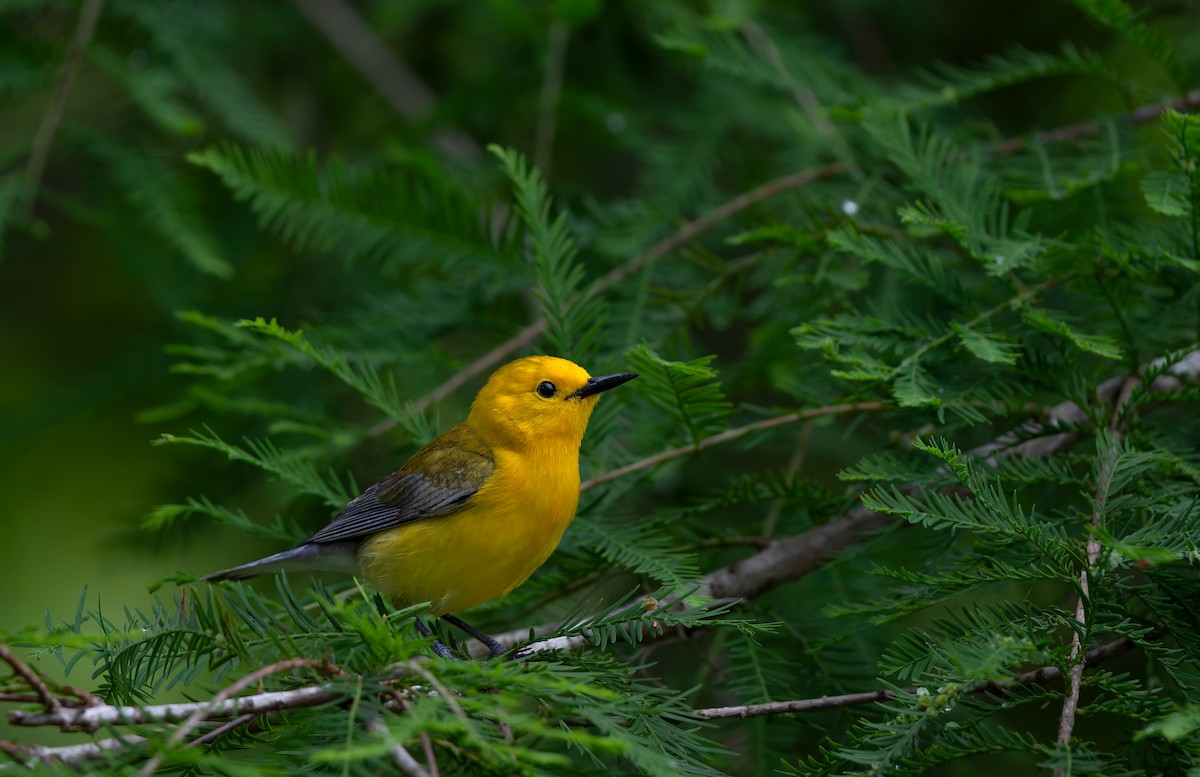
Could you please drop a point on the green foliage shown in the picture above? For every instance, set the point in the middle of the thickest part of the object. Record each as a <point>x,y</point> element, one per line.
<point>684,390</point>
<point>570,313</point>
<point>402,219</point>
<point>916,336</point>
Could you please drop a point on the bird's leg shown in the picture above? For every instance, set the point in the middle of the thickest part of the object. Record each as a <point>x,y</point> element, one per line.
<point>438,648</point>
<point>494,647</point>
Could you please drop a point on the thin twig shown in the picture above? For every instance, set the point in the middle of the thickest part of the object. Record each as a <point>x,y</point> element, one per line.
<point>430,758</point>
<point>805,98</point>
<point>729,435</point>
<point>48,700</point>
<point>795,463</point>
<point>93,718</point>
<point>226,694</point>
<point>1141,115</point>
<point>1004,687</point>
<point>402,758</point>
<point>221,730</point>
<point>85,28</point>
<point>400,87</point>
<point>71,755</point>
<point>1066,721</point>
<point>759,542</point>
<point>552,79</point>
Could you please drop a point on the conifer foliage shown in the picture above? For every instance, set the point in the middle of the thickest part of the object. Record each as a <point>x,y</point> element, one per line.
<point>908,484</point>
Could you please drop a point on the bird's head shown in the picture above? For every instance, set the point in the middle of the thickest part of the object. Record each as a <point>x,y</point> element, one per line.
<point>538,399</point>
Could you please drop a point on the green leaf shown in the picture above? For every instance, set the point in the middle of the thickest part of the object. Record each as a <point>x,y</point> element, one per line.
<point>1123,20</point>
<point>404,219</point>
<point>1167,193</point>
<point>913,387</point>
<point>1179,725</point>
<point>1100,345</point>
<point>987,346</point>
<point>688,391</point>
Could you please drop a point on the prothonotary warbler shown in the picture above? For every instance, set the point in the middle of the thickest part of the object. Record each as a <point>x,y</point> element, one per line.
<point>476,511</point>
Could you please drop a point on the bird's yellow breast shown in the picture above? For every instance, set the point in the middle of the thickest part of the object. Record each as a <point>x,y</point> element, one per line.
<point>507,530</point>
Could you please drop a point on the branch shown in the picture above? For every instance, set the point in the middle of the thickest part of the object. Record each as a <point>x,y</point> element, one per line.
<point>92,719</point>
<point>71,755</point>
<point>729,435</point>
<point>48,700</point>
<point>1141,115</point>
<point>400,87</point>
<point>1001,687</point>
<point>552,78</point>
<point>85,28</point>
<point>201,713</point>
<point>1066,721</point>
<point>402,758</point>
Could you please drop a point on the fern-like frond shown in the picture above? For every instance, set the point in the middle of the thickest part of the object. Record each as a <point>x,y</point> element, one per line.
<point>266,455</point>
<point>1119,17</point>
<point>640,546</point>
<point>687,391</point>
<point>572,314</point>
<point>164,516</point>
<point>405,221</point>
<point>945,84</point>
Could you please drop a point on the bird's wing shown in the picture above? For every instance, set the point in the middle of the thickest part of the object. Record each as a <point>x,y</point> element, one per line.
<point>439,480</point>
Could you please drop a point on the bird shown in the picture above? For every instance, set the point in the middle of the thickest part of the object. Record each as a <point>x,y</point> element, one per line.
<point>476,511</point>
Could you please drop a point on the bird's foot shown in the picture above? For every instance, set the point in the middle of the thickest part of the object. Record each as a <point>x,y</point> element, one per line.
<point>495,649</point>
<point>439,649</point>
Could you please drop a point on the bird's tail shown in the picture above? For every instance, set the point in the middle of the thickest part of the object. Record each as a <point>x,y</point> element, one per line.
<point>329,556</point>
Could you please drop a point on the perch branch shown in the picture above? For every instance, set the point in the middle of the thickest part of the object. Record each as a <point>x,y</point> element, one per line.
<point>1004,687</point>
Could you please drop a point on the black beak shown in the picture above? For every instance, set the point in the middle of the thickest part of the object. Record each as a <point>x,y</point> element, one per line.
<point>596,385</point>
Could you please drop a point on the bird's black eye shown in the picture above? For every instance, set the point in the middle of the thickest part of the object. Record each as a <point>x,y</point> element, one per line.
<point>546,389</point>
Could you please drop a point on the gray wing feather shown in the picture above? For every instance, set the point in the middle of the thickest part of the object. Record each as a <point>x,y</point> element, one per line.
<point>409,497</point>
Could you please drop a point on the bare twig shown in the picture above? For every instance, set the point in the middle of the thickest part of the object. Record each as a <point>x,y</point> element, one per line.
<point>1005,687</point>
<point>729,435</point>
<point>795,705</point>
<point>430,758</point>
<point>48,700</point>
<point>226,694</point>
<point>556,52</point>
<point>224,728</point>
<point>791,558</point>
<point>85,28</point>
<point>1140,115</point>
<point>71,755</point>
<point>805,98</point>
<point>1066,721</point>
<point>723,541</point>
<point>92,718</point>
<point>400,87</point>
<point>402,758</point>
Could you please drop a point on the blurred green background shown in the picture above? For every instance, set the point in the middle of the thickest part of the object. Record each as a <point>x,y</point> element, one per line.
<point>90,288</point>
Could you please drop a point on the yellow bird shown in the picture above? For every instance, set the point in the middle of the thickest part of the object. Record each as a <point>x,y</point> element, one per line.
<point>473,513</point>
